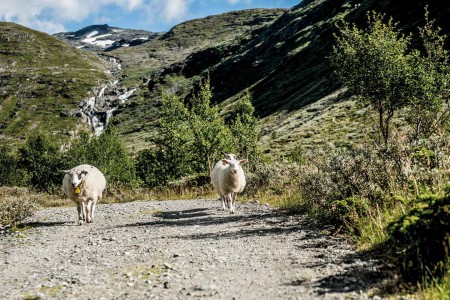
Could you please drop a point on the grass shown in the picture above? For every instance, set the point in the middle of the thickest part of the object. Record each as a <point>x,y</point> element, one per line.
<point>436,289</point>
<point>41,78</point>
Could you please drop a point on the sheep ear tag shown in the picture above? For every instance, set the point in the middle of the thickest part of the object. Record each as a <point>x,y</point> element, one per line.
<point>77,190</point>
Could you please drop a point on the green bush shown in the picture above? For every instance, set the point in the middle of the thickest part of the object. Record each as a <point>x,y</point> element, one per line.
<point>107,153</point>
<point>12,175</point>
<point>40,158</point>
<point>420,240</point>
<point>381,67</point>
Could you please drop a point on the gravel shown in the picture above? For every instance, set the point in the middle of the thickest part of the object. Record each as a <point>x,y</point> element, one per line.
<point>180,249</point>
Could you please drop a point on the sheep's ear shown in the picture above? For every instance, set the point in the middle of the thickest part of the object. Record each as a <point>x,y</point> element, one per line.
<point>225,162</point>
<point>243,161</point>
<point>84,172</point>
<point>66,171</point>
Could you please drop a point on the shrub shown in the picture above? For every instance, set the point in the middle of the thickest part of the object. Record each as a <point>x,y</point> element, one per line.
<point>337,176</point>
<point>420,240</point>
<point>107,153</point>
<point>40,158</point>
<point>14,209</point>
<point>11,174</point>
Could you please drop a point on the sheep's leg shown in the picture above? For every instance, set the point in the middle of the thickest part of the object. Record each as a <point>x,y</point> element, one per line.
<point>233,197</point>
<point>80,213</point>
<point>230,202</point>
<point>85,210</point>
<point>223,198</point>
<point>94,205</point>
<point>89,205</point>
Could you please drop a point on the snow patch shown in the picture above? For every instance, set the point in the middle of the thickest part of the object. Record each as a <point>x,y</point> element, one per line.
<point>93,33</point>
<point>94,40</point>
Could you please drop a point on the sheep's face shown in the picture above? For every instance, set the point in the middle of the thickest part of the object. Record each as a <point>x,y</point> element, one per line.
<point>77,177</point>
<point>234,165</point>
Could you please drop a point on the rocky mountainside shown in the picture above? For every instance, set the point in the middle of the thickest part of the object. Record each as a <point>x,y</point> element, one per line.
<point>106,38</point>
<point>282,61</point>
<point>280,55</point>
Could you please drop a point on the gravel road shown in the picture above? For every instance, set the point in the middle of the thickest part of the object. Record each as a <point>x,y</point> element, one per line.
<point>186,249</point>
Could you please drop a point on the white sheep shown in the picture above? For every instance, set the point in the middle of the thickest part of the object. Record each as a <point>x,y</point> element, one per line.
<point>84,185</point>
<point>228,179</point>
<point>215,178</point>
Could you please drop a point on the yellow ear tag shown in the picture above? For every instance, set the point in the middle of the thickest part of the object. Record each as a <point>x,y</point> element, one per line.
<point>77,190</point>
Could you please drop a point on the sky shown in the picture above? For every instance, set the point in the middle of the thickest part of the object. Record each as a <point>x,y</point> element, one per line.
<point>53,16</point>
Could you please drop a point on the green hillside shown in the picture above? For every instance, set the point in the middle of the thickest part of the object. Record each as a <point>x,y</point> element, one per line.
<point>280,55</point>
<point>42,81</point>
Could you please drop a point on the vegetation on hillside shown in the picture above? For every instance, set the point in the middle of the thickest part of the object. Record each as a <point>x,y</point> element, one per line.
<point>42,80</point>
<point>390,193</point>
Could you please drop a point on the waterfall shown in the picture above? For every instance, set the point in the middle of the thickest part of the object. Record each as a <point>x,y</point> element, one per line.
<point>99,109</point>
<point>99,117</point>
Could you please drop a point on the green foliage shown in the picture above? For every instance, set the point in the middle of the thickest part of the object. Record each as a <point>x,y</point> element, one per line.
<point>373,64</point>
<point>41,160</point>
<point>11,175</point>
<point>192,136</point>
<point>428,84</point>
<point>420,240</point>
<point>244,127</point>
<point>210,135</point>
<point>349,211</point>
<point>378,65</point>
<point>107,153</point>
<point>151,168</point>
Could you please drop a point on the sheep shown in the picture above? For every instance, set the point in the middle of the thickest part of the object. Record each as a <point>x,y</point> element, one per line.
<point>84,185</point>
<point>214,178</point>
<point>228,179</point>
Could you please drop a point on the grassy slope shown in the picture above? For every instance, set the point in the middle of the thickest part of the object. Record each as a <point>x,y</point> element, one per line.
<point>281,56</point>
<point>40,78</point>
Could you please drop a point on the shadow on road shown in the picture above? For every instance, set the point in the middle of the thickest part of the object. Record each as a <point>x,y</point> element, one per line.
<point>47,224</point>
<point>361,276</point>
<point>242,224</point>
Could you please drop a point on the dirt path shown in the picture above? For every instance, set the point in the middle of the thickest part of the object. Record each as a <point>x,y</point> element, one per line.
<point>180,250</point>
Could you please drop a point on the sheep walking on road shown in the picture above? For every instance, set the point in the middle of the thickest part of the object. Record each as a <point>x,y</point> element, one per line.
<point>84,185</point>
<point>228,179</point>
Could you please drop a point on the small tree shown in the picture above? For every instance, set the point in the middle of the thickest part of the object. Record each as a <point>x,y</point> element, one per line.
<point>378,65</point>
<point>373,64</point>
<point>107,153</point>
<point>429,84</point>
<point>41,159</point>
<point>9,168</point>
<point>210,135</point>
<point>244,127</point>
<point>173,138</point>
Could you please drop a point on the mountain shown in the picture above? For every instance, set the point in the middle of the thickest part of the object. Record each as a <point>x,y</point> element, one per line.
<point>280,56</point>
<point>105,38</point>
<point>283,61</point>
<point>42,81</point>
